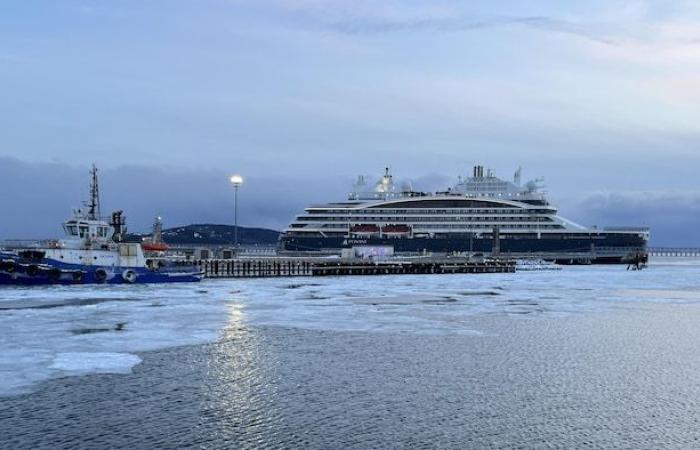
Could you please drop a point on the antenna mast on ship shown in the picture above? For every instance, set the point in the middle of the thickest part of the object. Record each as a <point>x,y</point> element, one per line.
<point>94,205</point>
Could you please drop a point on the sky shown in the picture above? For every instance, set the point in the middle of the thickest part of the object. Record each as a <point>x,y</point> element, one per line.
<point>601,98</point>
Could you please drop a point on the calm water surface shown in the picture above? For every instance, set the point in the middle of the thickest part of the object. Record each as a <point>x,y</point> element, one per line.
<point>593,357</point>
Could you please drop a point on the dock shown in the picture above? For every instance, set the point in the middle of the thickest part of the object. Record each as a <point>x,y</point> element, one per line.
<point>413,267</point>
<point>304,267</point>
<point>257,267</point>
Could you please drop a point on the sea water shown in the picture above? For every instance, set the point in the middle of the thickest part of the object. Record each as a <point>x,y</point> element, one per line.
<point>593,356</point>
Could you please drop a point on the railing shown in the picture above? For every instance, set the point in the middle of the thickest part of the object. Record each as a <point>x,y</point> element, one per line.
<point>14,244</point>
<point>678,252</point>
<point>217,248</point>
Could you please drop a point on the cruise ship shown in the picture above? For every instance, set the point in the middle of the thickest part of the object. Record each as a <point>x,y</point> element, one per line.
<point>479,214</point>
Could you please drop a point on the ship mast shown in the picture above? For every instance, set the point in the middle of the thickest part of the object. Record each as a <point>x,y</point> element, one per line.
<point>94,205</point>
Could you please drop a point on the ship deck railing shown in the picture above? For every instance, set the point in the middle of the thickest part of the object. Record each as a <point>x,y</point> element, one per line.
<point>16,244</point>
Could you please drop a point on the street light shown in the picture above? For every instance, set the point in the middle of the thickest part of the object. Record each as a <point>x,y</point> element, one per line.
<point>236,181</point>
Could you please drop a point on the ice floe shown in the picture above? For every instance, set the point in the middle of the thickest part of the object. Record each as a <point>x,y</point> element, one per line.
<point>64,331</point>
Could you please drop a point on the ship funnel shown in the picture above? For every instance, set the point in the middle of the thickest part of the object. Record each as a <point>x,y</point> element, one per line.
<point>118,223</point>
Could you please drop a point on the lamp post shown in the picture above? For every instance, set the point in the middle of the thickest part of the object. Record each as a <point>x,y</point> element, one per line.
<point>236,181</point>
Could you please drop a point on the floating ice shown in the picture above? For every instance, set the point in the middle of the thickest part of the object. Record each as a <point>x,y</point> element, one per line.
<point>78,363</point>
<point>60,331</point>
<point>55,332</point>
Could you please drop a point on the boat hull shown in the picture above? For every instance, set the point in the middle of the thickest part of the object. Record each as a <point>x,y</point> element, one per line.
<point>600,248</point>
<point>16,272</point>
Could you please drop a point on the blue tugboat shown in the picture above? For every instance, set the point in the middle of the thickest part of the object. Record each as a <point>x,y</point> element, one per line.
<point>93,251</point>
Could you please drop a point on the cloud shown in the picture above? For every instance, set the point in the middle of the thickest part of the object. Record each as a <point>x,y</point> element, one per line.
<point>367,17</point>
<point>671,43</point>
<point>456,24</point>
<point>640,29</point>
<point>673,216</point>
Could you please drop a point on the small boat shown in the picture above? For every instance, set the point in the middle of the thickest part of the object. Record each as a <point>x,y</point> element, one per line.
<point>92,251</point>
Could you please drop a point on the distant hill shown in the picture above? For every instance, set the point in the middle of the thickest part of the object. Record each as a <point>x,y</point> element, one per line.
<point>208,234</point>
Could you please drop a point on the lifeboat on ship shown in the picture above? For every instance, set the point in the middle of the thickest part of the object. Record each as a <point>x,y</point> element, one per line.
<point>365,229</point>
<point>154,246</point>
<point>155,242</point>
<point>396,230</point>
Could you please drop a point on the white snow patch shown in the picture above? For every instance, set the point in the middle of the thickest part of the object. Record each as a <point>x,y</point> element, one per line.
<point>78,363</point>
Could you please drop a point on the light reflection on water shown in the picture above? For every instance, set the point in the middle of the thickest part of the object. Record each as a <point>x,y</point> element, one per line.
<point>239,377</point>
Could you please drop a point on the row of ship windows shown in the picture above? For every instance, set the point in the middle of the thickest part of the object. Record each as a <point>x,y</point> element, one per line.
<point>433,211</point>
<point>458,226</point>
<point>84,231</point>
<point>426,230</point>
<point>429,219</point>
<point>534,227</point>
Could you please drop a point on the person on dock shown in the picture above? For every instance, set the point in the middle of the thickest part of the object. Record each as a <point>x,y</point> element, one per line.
<point>639,262</point>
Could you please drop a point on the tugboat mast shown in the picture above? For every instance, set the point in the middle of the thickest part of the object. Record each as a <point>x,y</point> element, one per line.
<point>94,204</point>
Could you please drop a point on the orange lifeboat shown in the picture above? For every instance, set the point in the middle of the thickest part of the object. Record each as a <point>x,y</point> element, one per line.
<point>364,229</point>
<point>154,246</point>
<point>396,229</point>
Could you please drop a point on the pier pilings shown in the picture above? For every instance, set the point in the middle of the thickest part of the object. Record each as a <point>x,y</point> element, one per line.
<point>292,267</point>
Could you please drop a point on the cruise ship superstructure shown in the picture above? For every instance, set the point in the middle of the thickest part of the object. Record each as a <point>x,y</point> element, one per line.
<point>479,214</point>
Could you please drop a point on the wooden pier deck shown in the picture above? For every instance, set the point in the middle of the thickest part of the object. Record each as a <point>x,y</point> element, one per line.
<point>293,267</point>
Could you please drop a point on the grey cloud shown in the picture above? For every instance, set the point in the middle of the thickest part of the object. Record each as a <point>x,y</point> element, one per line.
<point>561,26</point>
<point>543,23</point>
<point>674,217</point>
